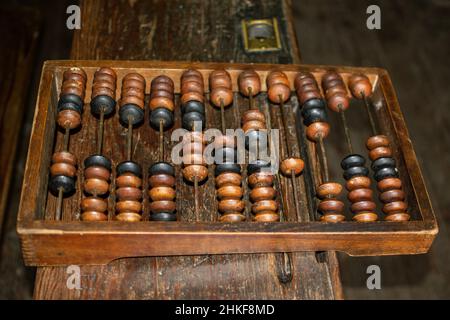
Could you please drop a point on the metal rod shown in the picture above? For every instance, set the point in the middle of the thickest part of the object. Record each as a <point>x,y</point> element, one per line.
<point>324,159</point>
<point>100,131</point>
<point>58,213</point>
<point>222,115</point>
<point>66,139</point>
<point>346,130</point>
<point>250,98</point>
<point>196,205</point>
<point>129,138</point>
<point>288,148</point>
<point>369,114</point>
<point>296,200</point>
<point>161,141</point>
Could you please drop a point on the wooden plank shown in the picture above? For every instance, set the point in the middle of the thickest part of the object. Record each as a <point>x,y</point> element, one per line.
<point>176,31</point>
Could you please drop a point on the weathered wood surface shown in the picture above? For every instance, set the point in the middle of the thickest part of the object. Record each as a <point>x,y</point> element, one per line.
<point>204,31</point>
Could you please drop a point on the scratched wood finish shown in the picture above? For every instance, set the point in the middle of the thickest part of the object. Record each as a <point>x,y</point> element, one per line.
<point>157,28</point>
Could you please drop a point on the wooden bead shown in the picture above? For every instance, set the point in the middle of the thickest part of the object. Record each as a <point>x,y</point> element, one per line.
<point>267,216</point>
<point>260,179</point>
<point>192,96</point>
<point>228,179</point>
<point>229,192</point>
<point>279,91</point>
<point>221,95</point>
<point>162,193</point>
<point>219,78</point>
<point>380,152</point>
<point>94,204</point>
<point>162,206</point>
<point>194,171</point>
<point>129,193</point>
<point>329,190</point>
<point>362,194</point>
<point>360,182</point>
<point>97,172</point>
<point>64,157</point>
<point>96,186</point>
<point>360,84</point>
<point>161,102</point>
<point>398,217</point>
<point>128,180</point>
<point>129,217</point>
<point>75,72</point>
<point>331,205</point>
<point>395,207</point>
<point>249,79</point>
<point>231,205</point>
<point>232,217</point>
<point>317,130</point>
<point>332,217</point>
<point>306,95</point>
<point>94,216</point>
<point>377,141</point>
<point>262,193</point>
<point>365,217</point>
<point>63,169</point>
<point>253,125</point>
<point>128,206</point>
<point>389,184</point>
<point>290,165</point>
<point>250,115</point>
<point>264,205</point>
<point>162,180</point>
<point>392,196</point>
<point>338,102</point>
<point>363,206</point>
<point>69,119</point>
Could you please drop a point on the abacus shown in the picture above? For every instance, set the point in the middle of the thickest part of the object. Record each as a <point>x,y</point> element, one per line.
<point>113,187</point>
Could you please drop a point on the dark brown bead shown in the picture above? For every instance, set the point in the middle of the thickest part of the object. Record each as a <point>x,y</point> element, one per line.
<point>129,193</point>
<point>317,130</point>
<point>64,157</point>
<point>162,206</point>
<point>253,125</point>
<point>329,190</point>
<point>250,115</point>
<point>279,92</point>
<point>229,192</point>
<point>162,193</point>
<point>363,206</point>
<point>94,204</point>
<point>264,205</point>
<point>128,206</point>
<point>219,78</point>
<point>338,102</point>
<point>128,180</point>
<point>231,205</point>
<point>96,186</point>
<point>69,119</point>
<point>395,207</point>
<point>260,179</point>
<point>228,179</point>
<point>221,95</point>
<point>63,169</point>
<point>232,217</point>
<point>331,205</point>
<point>309,94</point>
<point>389,184</point>
<point>162,180</point>
<point>362,194</point>
<point>249,79</point>
<point>380,152</point>
<point>195,171</point>
<point>97,172</point>
<point>290,165</point>
<point>392,196</point>
<point>262,193</point>
<point>377,141</point>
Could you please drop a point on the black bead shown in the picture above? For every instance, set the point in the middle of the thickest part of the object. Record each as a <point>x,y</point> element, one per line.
<point>384,173</point>
<point>163,114</point>
<point>97,160</point>
<point>383,163</point>
<point>192,118</point>
<point>161,168</point>
<point>227,167</point>
<point>163,216</point>
<point>133,111</point>
<point>64,182</point>
<point>129,167</point>
<point>353,160</point>
<point>103,102</point>
<point>314,115</point>
<point>193,106</point>
<point>257,166</point>
<point>224,155</point>
<point>313,104</point>
<point>256,136</point>
<point>355,172</point>
<point>70,101</point>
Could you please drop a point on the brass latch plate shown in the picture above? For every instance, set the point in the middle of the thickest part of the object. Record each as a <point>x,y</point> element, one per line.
<point>261,35</point>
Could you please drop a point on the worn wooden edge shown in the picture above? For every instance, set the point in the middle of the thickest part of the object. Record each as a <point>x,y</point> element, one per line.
<point>41,238</point>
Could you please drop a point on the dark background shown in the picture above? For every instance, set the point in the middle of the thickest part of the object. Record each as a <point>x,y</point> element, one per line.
<point>413,45</point>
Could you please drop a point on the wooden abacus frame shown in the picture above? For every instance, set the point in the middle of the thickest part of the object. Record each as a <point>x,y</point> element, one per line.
<point>48,242</point>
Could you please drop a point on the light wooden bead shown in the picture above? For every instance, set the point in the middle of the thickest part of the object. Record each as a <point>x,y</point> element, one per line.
<point>338,102</point>
<point>232,217</point>
<point>128,206</point>
<point>249,79</point>
<point>94,204</point>
<point>260,179</point>
<point>228,179</point>
<point>377,141</point>
<point>69,119</point>
<point>332,217</point>
<point>128,180</point>
<point>221,95</point>
<point>392,196</point>
<point>129,193</point>
<point>262,193</point>
<point>194,171</point>
<point>358,183</point>
<point>250,115</point>
<point>365,217</point>
<point>389,184</point>
<point>292,164</point>
<point>63,169</point>
<point>97,172</point>
<point>231,205</point>
<point>162,206</point>
<point>253,125</point>
<point>192,96</point>
<point>279,91</point>
<point>264,205</point>
<point>363,206</point>
<point>161,102</point>
<point>162,193</point>
<point>317,130</point>
<point>395,207</point>
<point>94,216</point>
<point>96,186</point>
<point>380,152</point>
<point>229,192</point>
<point>360,83</point>
<point>362,194</point>
<point>64,157</point>
<point>129,217</point>
<point>331,205</point>
<point>267,216</point>
<point>329,190</point>
<point>398,217</point>
<point>162,180</point>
